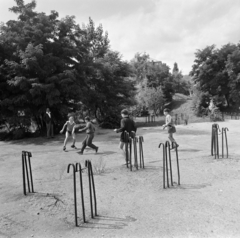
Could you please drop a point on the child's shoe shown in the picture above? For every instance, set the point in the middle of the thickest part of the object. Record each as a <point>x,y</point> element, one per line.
<point>64,148</point>
<point>73,146</point>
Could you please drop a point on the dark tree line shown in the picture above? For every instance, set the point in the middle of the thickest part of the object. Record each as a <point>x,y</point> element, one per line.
<point>47,62</point>
<point>216,73</point>
<point>50,62</point>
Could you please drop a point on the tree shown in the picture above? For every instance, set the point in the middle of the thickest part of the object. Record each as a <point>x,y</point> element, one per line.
<point>211,74</point>
<point>154,75</point>
<point>233,69</point>
<point>47,62</point>
<point>152,98</point>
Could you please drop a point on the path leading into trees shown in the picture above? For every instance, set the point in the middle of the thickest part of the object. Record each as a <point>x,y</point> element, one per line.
<point>130,204</point>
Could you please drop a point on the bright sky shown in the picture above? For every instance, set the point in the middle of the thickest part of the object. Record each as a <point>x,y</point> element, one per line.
<point>168,30</point>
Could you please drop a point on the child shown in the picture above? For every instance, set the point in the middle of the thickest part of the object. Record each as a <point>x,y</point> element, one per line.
<point>127,125</point>
<point>70,125</point>
<point>89,128</point>
<point>171,128</point>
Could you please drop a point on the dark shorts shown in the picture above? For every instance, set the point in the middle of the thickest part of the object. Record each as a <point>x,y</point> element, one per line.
<point>69,133</point>
<point>123,139</point>
<point>171,129</point>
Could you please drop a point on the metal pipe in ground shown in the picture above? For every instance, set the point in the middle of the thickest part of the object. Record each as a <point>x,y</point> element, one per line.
<point>74,189</point>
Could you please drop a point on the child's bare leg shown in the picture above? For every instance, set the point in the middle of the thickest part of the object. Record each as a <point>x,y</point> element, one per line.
<point>170,137</point>
<point>66,139</point>
<point>121,147</point>
<point>74,139</point>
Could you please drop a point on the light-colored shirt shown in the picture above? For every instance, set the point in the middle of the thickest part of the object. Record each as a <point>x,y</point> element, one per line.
<point>169,120</point>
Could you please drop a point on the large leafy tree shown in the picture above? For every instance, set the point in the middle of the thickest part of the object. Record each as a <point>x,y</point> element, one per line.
<point>233,69</point>
<point>180,85</point>
<point>47,62</point>
<point>153,75</point>
<point>211,75</point>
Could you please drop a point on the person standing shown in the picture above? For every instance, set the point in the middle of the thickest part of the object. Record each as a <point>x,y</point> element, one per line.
<point>49,123</point>
<point>90,130</point>
<point>171,128</point>
<point>127,125</point>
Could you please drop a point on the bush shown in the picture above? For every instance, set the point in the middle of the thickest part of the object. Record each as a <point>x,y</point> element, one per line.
<point>110,122</point>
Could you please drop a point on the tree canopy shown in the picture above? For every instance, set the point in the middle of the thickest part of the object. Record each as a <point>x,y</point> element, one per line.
<point>50,62</point>
<point>216,72</point>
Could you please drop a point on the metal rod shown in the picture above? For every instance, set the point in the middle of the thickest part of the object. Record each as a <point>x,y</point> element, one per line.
<point>126,140</point>
<point>26,168</point>
<point>30,170</point>
<point>79,169</point>
<point>74,189</point>
<point>164,155</point>
<point>140,152</point>
<point>135,140</point>
<point>90,186</point>
<point>130,157</point>
<point>177,162</point>
<point>225,130</point>
<point>94,191</point>
<point>23,173</point>
<point>142,155</point>
<point>167,144</point>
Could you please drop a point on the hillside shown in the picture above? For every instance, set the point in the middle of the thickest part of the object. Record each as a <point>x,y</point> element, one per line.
<point>183,104</point>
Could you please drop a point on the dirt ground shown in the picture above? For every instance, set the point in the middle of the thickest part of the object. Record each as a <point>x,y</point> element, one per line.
<point>129,204</point>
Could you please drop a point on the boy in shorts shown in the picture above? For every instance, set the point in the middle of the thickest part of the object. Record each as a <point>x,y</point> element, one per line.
<point>171,128</point>
<point>127,125</point>
<point>70,125</point>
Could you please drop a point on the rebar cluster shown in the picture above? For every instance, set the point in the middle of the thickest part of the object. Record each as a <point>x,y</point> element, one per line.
<point>215,142</point>
<point>27,172</point>
<point>77,168</point>
<point>133,150</point>
<point>167,160</point>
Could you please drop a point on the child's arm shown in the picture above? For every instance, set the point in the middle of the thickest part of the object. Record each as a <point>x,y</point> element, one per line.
<point>63,127</point>
<point>168,121</point>
<point>76,126</point>
<point>86,127</point>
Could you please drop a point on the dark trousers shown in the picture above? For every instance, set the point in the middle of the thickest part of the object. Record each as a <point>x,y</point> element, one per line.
<point>88,142</point>
<point>49,129</point>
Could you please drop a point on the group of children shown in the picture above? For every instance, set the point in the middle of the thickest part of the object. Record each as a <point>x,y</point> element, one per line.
<point>72,126</point>
<point>126,124</point>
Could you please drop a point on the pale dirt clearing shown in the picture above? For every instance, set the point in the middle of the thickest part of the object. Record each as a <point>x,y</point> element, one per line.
<point>130,204</point>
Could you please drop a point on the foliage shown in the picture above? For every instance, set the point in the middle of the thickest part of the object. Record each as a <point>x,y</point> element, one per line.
<point>233,69</point>
<point>180,85</point>
<point>200,102</point>
<point>47,62</point>
<point>151,98</point>
<point>216,71</point>
<point>153,76</point>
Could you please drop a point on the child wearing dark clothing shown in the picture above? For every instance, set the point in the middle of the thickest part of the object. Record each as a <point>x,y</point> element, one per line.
<point>127,125</point>
<point>90,130</point>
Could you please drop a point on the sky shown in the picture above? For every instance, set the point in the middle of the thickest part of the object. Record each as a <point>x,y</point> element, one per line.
<point>168,30</point>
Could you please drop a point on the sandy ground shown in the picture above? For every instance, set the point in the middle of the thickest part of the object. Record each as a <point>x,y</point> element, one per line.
<point>129,204</point>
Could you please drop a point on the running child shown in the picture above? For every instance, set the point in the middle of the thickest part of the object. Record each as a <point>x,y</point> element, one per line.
<point>70,125</point>
<point>127,125</point>
<point>90,130</point>
<point>171,128</point>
